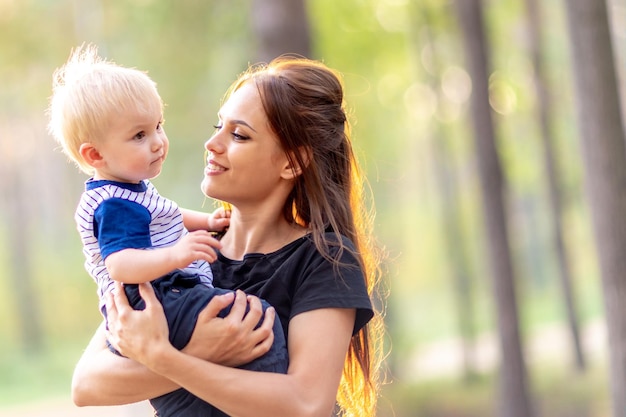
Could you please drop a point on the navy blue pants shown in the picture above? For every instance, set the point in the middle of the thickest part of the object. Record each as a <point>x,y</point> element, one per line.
<point>183,297</point>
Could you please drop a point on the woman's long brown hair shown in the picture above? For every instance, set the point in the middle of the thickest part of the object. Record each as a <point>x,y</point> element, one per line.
<point>305,106</point>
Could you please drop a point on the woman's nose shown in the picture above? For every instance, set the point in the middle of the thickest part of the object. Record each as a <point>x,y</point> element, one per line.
<point>213,144</point>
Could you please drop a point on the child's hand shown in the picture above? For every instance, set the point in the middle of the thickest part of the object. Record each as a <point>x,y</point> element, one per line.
<point>219,220</point>
<point>198,245</point>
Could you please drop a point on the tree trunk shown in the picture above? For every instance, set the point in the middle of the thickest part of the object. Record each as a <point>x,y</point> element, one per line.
<point>447,177</point>
<point>460,270</point>
<point>514,398</point>
<point>604,155</point>
<point>544,103</point>
<point>22,257</point>
<point>280,27</point>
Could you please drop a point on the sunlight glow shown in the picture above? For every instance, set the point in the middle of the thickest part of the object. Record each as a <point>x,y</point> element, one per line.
<point>420,101</point>
<point>456,84</point>
<point>389,89</point>
<point>502,97</point>
<point>393,15</point>
<point>7,9</point>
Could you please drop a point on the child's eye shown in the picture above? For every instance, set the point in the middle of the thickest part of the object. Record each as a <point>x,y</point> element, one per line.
<point>139,135</point>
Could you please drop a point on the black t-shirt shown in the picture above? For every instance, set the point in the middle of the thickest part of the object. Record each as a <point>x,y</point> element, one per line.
<point>297,278</point>
<point>294,279</point>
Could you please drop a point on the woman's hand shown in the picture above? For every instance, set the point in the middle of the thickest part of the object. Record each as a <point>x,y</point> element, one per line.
<point>232,340</point>
<point>137,334</point>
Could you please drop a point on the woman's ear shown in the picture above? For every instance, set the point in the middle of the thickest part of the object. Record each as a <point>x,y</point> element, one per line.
<point>293,167</point>
<point>91,155</point>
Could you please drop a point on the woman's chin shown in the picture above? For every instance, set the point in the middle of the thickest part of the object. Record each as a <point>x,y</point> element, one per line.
<point>205,187</point>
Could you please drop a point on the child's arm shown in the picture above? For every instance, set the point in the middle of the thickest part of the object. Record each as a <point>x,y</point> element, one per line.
<point>134,266</point>
<point>213,222</point>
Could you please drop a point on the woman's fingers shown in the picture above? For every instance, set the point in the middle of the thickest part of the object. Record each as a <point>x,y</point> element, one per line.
<point>211,339</point>
<point>255,311</point>
<point>260,324</point>
<point>111,307</point>
<point>120,301</point>
<point>146,291</point>
<point>113,300</point>
<point>131,330</point>
<point>235,339</point>
<point>217,304</point>
<point>238,311</point>
<point>265,333</point>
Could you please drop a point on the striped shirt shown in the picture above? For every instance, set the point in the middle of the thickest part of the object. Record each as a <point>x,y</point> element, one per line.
<point>112,216</point>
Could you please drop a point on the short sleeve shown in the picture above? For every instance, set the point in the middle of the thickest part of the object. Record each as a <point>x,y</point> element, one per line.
<point>121,224</point>
<point>328,286</point>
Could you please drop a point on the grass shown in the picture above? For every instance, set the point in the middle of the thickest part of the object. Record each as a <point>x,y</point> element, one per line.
<point>26,377</point>
<point>555,392</point>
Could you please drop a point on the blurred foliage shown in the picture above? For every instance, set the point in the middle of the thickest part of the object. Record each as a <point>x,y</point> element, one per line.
<point>584,395</point>
<point>403,67</point>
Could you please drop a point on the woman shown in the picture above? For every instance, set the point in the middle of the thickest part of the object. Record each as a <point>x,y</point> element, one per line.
<point>281,158</point>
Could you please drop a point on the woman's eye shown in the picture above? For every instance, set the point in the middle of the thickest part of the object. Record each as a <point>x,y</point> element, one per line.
<point>238,136</point>
<point>235,135</point>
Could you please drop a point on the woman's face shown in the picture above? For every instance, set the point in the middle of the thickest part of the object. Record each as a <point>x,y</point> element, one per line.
<point>245,162</point>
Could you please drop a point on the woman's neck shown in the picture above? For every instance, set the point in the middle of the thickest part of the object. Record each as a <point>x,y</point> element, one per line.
<point>256,234</point>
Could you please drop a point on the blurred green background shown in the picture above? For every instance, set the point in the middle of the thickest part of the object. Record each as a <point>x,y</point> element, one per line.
<point>406,84</point>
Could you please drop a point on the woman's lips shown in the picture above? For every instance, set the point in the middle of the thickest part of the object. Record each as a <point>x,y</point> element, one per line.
<point>213,168</point>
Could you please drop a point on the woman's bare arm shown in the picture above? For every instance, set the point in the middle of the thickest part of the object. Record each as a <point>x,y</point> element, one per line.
<point>318,345</point>
<point>103,378</point>
<point>318,342</point>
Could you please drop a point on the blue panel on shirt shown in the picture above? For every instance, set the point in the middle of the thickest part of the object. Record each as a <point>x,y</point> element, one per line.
<point>121,224</point>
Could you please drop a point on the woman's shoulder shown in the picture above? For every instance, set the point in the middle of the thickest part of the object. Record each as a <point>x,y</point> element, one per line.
<point>336,238</point>
<point>333,243</point>
<point>320,282</point>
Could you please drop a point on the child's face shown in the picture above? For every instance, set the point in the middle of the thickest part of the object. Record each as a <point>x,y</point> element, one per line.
<point>134,148</point>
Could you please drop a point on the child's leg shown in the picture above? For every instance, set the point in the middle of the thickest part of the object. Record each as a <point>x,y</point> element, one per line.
<point>184,297</point>
<point>182,305</point>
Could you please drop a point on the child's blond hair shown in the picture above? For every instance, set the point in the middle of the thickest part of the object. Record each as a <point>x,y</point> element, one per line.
<point>88,92</point>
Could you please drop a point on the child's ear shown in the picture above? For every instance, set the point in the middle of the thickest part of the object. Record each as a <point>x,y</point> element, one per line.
<point>292,167</point>
<point>91,155</point>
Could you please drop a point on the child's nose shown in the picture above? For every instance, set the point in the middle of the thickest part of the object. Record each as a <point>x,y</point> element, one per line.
<point>157,144</point>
